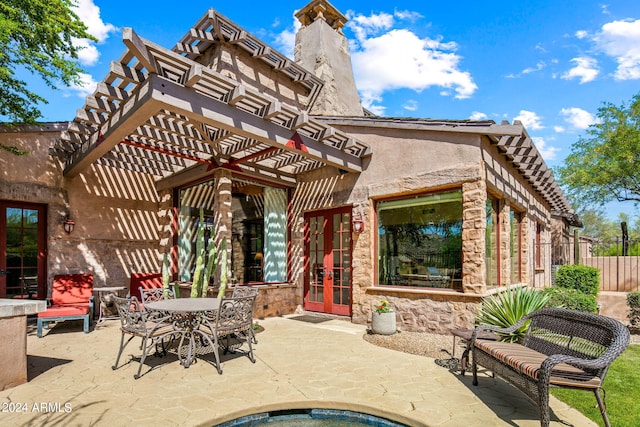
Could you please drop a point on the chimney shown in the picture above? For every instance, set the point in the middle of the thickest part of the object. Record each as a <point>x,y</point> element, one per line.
<point>322,48</point>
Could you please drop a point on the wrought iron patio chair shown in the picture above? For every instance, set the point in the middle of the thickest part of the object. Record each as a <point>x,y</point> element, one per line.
<point>246,291</point>
<point>137,323</point>
<point>231,328</point>
<point>148,295</point>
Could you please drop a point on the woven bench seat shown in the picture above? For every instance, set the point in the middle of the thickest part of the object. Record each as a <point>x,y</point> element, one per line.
<point>561,348</point>
<point>528,362</point>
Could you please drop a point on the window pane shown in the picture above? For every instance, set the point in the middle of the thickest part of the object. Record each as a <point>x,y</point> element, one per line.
<point>516,264</point>
<point>491,243</point>
<point>420,241</point>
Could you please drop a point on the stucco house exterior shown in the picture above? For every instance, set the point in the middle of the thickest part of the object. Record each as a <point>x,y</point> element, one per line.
<point>326,207</point>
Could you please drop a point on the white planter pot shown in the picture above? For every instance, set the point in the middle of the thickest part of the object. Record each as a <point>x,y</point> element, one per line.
<point>383,323</point>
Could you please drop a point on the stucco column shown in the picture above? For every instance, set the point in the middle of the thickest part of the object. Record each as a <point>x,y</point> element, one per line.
<point>474,224</point>
<point>222,211</point>
<point>167,222</point>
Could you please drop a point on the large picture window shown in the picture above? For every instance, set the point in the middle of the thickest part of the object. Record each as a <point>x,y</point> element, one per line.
<point>420,241</point>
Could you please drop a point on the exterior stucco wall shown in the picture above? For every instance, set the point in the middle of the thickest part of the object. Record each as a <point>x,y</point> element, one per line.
<point>115,211</point>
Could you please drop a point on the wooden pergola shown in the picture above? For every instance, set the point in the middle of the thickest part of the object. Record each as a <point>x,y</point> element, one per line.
<point>158,111</point>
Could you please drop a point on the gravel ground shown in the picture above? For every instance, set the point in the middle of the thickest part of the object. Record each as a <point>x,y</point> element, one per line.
<point>421,343</point>
<point>427,344</point>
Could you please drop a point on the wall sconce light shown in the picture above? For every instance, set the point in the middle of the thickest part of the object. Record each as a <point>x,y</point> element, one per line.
<point>358,222</point>
<point>68,225</point>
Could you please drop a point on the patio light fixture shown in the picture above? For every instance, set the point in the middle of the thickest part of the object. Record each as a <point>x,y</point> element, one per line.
<point>68,225</point>
<point>358,222</point>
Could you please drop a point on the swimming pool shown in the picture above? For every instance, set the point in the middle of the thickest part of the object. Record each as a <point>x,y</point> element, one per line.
<point>311,418</point>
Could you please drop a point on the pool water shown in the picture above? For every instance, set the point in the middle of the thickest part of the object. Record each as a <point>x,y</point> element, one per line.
<point>311,418</point>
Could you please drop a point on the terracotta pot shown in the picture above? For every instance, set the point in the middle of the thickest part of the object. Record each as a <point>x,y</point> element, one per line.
<point>383,323</point>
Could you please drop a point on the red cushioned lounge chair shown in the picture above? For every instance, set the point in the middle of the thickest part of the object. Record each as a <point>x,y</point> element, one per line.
<point>71,299</point>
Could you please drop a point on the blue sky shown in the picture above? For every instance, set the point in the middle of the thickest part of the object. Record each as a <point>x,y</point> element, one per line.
<point>550,64</point>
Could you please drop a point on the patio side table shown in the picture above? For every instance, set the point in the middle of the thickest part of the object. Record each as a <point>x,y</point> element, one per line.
<point>465,334</point>
<point>103,292</point>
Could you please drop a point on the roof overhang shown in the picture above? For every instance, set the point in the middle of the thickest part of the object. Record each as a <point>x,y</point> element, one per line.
<point>512,141</point>
<point>160,112</point>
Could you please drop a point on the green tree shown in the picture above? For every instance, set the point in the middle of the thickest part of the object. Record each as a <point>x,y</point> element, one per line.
<point>603,166</point>
<point>596,224</point>
<point>36,35</point>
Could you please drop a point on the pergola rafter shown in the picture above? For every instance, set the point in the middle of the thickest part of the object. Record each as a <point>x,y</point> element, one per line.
<point>167,107</point>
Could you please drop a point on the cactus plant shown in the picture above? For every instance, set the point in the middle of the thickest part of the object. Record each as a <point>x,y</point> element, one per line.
<point>207,263</point>
<point>223,269</point>
<point>166,278</point>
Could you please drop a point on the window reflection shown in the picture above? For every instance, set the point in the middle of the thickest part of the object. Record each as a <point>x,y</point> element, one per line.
<point>420,241</point>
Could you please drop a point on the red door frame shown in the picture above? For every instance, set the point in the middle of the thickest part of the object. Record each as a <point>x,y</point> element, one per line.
<point>327,269</point>
<point>42,245</point>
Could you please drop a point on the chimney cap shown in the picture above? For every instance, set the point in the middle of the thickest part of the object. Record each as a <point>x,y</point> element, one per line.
<point>321,9</point>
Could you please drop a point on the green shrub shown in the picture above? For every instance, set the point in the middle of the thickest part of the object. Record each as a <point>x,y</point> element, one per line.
<point>506,308</point>
<point>581,277</point>
<point>633,301</point>
<point>571,299</point>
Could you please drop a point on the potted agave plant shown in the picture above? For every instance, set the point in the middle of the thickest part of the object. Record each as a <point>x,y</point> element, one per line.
<point>383,318</point>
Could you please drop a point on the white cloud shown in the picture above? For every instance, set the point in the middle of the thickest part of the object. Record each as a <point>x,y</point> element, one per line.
<point>539,66</point>
<point>89,13</point>
<point>385,58</point>
<point>87,86</point>
<point>408,15</point>
<point>477,115</point>
<point>546,151</point>
<point>530,120</point>
<point>559,129</point>
<point>621,40</point>
<point>581,34</point>
<point>285,41</point>
<point>411,105</point>
<point>586,69</point>
<point>400,59</point>
<point>364,26</point>
<point>578,118</point>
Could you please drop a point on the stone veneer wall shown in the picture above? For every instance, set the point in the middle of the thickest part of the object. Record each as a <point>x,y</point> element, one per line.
<point>474,225</point>
<point>422,311</point>
<point>275,300</point>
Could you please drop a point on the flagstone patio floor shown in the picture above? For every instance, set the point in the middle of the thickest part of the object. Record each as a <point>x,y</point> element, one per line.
<point>299,365</point>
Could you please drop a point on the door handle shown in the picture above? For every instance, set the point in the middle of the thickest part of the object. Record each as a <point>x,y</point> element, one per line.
<point>329,272</point>
<point>3,273</point>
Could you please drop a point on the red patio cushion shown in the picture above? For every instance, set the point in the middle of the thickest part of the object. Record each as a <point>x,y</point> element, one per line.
<point>65,310</point>
<point>145,281</point>
<point>71,288</point>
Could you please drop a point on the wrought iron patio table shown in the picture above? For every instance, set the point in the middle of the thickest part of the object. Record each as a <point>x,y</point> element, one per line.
<point>186,315</point>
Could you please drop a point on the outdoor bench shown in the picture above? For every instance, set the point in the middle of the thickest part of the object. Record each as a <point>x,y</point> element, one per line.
<point>561,348</point>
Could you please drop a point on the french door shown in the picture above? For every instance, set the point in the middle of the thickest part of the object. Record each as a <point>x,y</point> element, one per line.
<point>328,261</point>
<point>22,250</point>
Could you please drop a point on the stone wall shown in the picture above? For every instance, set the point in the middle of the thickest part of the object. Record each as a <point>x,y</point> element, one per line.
<point>275,300</point>
<point>436,312</point>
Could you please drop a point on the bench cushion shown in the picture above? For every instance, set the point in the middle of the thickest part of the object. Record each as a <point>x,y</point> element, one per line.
<point>65,310</point>
<point>528,361</point>
<point>71,288</point>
